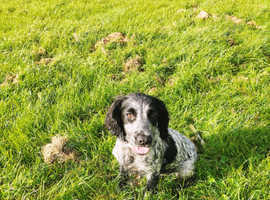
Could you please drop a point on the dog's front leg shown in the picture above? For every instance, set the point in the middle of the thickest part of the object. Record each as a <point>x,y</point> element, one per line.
<point>123,176</point>
<point>152,181</point>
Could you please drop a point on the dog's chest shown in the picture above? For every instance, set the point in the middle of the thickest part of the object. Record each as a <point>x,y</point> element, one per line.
<point>134,163</point>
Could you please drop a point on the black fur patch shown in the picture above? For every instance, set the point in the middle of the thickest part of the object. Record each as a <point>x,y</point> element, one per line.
<point>170,153</point>
<point>113,121</point>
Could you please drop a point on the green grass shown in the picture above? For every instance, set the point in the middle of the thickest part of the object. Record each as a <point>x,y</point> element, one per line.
<point>223,89</point>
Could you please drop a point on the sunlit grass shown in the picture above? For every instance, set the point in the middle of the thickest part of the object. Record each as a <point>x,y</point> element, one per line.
<point>211,72</point>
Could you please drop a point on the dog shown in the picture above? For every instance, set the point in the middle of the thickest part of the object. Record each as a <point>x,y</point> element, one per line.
<point>145,146</point>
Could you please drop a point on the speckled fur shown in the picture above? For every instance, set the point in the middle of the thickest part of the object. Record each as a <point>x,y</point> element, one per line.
<point>169,150</point>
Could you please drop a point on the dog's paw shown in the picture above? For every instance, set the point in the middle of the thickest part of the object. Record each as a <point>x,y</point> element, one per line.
<point>147,195</point>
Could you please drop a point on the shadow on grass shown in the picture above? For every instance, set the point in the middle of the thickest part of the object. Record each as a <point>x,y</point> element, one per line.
<point>233,149</point>
<point>229,150</point>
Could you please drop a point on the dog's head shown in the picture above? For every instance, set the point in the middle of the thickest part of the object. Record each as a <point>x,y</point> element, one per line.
<point>138,119</point>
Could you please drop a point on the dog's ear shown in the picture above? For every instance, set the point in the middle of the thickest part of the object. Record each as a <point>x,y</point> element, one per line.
<point>163,119</point>
<point>113,121</point>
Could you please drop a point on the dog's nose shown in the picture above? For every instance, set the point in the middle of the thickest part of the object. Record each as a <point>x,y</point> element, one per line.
<point>142,139</point>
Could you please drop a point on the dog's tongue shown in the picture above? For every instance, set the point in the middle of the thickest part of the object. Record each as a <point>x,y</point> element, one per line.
<point>141,150</point>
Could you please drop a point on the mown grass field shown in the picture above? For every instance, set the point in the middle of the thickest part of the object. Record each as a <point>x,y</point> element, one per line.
<point>213,73</point>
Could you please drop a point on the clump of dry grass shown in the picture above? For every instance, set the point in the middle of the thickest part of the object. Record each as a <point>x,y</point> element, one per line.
<point>56,151</point>
<point>10,79</point>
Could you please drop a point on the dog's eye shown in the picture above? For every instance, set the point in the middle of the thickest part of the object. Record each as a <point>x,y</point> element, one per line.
<point>131,115</point>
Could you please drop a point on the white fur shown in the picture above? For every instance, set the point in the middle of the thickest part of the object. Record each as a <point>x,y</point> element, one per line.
<point>183,164</point>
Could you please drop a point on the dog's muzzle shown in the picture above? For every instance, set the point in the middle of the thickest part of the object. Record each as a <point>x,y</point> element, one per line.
<point>143,140</point>
<point>143,143</point>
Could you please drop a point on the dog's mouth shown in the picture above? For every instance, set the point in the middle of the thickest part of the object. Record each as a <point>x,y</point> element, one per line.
<point>140,150</point>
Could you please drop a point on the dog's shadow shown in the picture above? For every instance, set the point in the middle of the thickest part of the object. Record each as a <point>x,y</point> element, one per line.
<point>226,151</point>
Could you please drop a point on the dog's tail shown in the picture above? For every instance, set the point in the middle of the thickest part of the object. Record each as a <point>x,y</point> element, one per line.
<point>197,139</point>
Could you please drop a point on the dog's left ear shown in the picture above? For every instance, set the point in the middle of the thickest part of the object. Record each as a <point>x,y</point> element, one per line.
<point>113,121</point>
<point>163,119</point>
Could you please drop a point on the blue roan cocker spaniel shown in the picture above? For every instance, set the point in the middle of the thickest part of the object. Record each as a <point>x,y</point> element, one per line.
<point>145,146</point>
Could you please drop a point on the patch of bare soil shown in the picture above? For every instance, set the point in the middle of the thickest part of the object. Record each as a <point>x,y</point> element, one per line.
<point>133,64</point>
<point>237,20</point>
<point>44,61</point>
<point>203,15</point>
<point>113,37</point>
<point>231,42</point>
<point>234,19</point>
<point>41,56</point>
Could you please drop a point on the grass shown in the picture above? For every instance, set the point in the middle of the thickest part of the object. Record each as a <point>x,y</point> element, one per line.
<point>213,73</point>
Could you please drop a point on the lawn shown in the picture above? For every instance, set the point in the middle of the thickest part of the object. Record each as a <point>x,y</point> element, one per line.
<point>59,75</point>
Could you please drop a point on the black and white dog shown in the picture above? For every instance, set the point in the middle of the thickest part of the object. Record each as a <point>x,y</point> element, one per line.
<point>145,146</point>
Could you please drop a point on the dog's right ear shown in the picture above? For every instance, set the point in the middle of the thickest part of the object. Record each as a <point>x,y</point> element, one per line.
<point>113,121</point>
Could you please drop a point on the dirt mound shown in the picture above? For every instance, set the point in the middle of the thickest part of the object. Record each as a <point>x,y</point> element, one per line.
<point>133,64</point>
<point>113,37</point>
